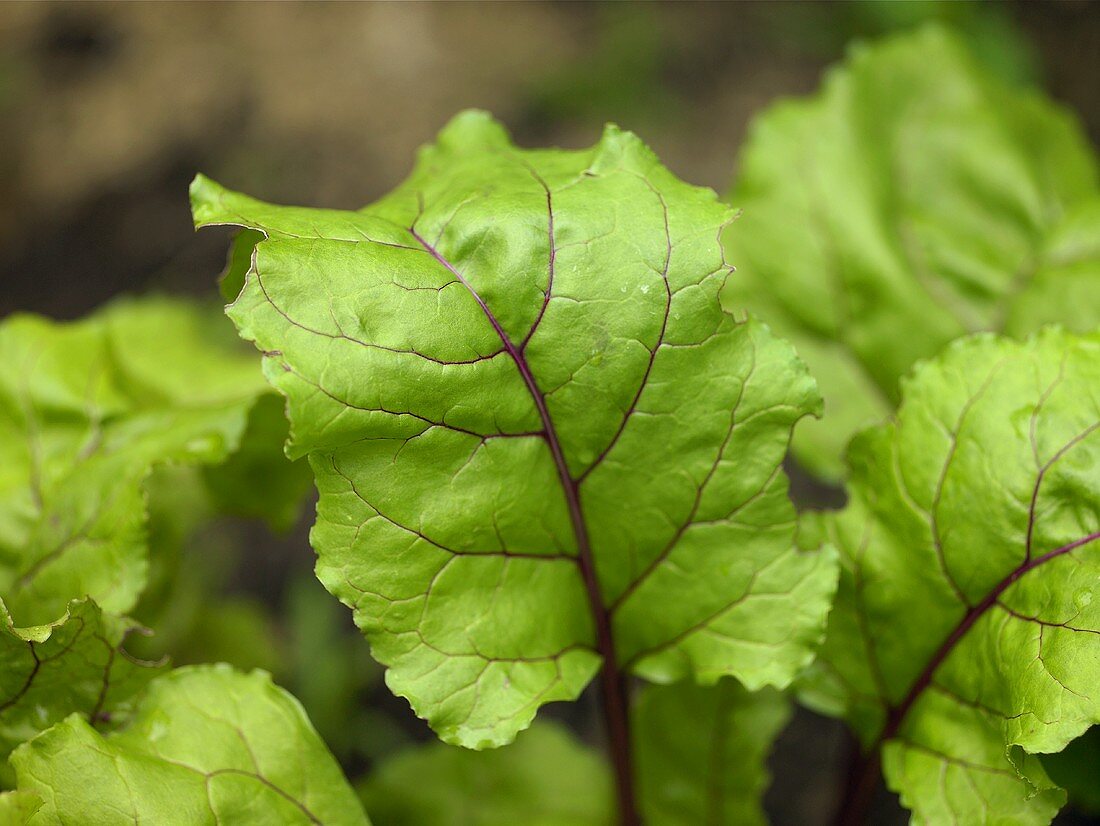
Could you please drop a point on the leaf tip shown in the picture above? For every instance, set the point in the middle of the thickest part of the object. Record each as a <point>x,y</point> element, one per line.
<point>472,128</point>
<point>206,195</point>
<point>616,142</point>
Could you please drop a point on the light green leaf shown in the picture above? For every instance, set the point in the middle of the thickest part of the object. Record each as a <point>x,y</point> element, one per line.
<point>701,752</point>
<point>237,630</point>
<point>900,208</point>
<point>515,369</point>
<point>86,409</point>
<point>74,664</point>
<point>546,778</point>
<point>187,565</point>
<point>966,633</point>
<point>1066,277</point>
<point>238,262</point>
<point>206,745</point>
<point>16,808</point>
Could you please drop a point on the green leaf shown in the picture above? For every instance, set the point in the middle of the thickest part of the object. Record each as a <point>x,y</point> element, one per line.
<point>231,281</point>
<point>514,370</point>
<point>701,752</point>
<point>1064,283</point>
<point>193,562</point>
<point>188,566</point>
<point>74,664</point>
<point>86,409</point>
<point>966,634</point>
<point>700,755</point>
<point>901,208</point>
<point>206,745</point>
<point>546,778</point>
<point>990,30</point>
<point>16,808</point>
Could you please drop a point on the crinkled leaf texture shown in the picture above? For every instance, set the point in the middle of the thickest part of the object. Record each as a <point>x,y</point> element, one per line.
<point>902,207</point>
<point>701,752</point>
<point>514,370</point>
<point>966,634</point>
<point>74,664</point>
<point>86,409</point>
<point>206,745</point>
<point>546,778</point>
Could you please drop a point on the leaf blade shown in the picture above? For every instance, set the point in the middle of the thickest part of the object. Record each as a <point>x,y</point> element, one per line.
<point>73,664</point>
<point>474,365</point>
<point>962,642</point>
<point>701,751</point>
<point>545,778</point>
<point>206,744</point>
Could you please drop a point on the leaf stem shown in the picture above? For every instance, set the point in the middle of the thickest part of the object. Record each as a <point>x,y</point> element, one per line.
<point>861,783</point>
<point>615,705</point>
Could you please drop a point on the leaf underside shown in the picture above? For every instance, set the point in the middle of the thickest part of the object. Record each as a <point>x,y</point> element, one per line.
<point>536,435</point>
<point>966,634</point>
<point>701,752</point>
<point>546,778</point>
<point>901,208</point>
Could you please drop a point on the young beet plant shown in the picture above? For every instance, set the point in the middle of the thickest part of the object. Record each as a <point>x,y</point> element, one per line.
<point>543,448</point>
<point>888,215</point>
<point>548,442</point>
<point>544,451</point>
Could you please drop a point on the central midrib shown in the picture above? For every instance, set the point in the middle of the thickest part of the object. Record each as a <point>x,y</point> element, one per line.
<point>569,485</point>
<point>612,679</point>
<point>896,714</point>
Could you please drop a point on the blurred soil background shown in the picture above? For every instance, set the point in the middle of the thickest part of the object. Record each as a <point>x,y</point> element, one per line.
<point>108,111</point>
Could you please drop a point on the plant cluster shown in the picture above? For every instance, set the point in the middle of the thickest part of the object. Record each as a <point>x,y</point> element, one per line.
<point>547,419</point>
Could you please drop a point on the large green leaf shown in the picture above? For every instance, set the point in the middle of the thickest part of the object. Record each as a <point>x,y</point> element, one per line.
<point>86,409</point>
<point>206,745</point>
<point>701,752</point>
<point>537,437</point>
<point>966,632</point>
<point>545,779</point>
<point>914,199</point>
<point>74,664</point>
